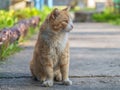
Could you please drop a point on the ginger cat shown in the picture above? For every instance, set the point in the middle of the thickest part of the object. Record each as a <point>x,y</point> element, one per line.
<point>51,54</point>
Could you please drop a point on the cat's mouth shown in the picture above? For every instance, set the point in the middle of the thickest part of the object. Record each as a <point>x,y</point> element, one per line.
<point>69,28</point>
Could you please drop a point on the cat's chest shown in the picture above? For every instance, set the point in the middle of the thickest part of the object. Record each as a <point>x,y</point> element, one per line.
<point>55,43</point>
<point>56,49</point>
<point>58,45</point>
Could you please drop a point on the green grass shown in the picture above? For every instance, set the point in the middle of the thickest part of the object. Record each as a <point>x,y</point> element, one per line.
<point>11,49</point>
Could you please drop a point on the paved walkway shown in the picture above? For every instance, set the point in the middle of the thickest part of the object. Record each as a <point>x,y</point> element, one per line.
<point>95,61</point>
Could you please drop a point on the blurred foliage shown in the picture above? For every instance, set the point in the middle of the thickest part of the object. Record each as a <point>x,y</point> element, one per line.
<point>77,8</point>
<point>5,52</point>
<point>107,16</point>
<point>9,18</point>
<point>88,9</point>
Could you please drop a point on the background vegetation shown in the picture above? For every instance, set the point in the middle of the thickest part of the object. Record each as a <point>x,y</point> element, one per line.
<point>107,16</point>
<point>9,18</point>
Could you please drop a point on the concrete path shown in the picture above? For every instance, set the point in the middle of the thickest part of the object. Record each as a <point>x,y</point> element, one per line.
<point>95,61</point>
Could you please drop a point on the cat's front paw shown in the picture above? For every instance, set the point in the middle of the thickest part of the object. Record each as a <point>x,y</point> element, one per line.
<point>48,83</point>
<point>67,82</point>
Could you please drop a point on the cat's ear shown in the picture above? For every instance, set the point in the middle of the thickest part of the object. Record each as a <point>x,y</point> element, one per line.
<point>66,9</point>
<point>55,13</point>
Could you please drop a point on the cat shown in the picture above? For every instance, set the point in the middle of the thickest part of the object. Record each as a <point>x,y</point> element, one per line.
<point>51,53</point>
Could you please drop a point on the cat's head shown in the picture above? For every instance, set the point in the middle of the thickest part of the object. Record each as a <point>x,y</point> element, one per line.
<point>60,20</point>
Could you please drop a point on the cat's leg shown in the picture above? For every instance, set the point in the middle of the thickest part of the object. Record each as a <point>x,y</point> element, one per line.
<point>37,73</point>
<point>65,78</point>
<point>32,71</point>
<point>49,73</point>
<point>57,75</point>
<point>64,67</point>
<point>41,77</point>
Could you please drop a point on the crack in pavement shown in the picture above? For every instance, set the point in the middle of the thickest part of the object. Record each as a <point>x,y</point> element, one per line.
<point>94,76</point>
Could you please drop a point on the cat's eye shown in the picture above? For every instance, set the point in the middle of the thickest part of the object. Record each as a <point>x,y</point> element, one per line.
<point>66,21</point>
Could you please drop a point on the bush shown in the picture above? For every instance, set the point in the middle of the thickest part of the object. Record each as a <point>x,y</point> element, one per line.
<point>107,16</point>
<point>9,18</point>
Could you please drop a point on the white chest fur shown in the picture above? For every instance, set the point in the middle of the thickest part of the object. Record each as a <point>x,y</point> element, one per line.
<point>56,43</point>
<point>60,41</point>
